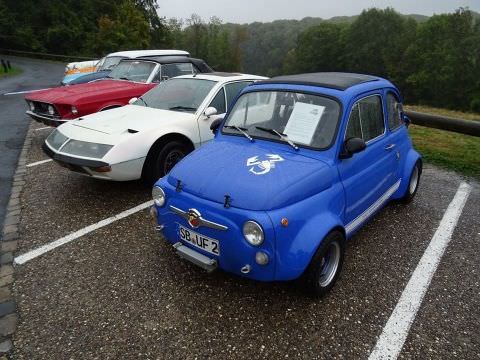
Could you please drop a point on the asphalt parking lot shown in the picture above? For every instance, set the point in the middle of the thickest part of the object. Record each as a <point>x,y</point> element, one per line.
<point>120,292</point>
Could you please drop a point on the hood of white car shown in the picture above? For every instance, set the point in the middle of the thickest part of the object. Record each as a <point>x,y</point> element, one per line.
<point>127,119</point>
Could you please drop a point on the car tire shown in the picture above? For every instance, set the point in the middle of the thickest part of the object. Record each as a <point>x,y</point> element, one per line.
<point>161,159</point>
<point>326,265</point>
<point>413,183</point>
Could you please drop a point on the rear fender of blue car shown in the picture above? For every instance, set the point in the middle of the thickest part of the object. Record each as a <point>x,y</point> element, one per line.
<point>309,221</point>
<point>409,162</point>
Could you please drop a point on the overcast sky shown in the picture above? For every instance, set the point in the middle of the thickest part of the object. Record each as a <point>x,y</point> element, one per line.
<point>242,11</point>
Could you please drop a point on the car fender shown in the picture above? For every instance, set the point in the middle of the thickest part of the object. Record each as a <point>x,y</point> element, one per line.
<point>411,159</point>
<point>136,146</point>
<point>297,243</point>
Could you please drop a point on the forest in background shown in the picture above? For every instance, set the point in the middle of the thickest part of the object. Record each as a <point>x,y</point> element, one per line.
<point>434,60</point>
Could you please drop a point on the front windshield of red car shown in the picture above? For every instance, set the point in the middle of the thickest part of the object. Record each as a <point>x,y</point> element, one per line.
<point>138,71</point>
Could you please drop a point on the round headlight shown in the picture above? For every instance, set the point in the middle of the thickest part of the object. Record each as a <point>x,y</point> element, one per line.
<point>74,110</point>
<point>253,233</point>
<point>158,196</point>
<point>32,106</point>
<point>51,110</point>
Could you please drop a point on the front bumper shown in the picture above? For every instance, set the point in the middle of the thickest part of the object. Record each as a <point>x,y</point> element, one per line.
<point>124,171</point>
<point>49,121</point>
<point>236,255</point>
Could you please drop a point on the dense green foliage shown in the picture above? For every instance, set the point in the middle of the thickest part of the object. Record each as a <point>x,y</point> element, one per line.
<point>435,61</point>
<point>87,27</point>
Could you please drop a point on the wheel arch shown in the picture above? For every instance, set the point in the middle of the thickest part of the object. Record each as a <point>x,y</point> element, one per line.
<point>164,139</point>
<point>109,107</point>
<point>294,267</point>
<point>410,161</point>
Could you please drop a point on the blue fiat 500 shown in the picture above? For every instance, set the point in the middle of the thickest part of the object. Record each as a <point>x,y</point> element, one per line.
<point>299,165</point>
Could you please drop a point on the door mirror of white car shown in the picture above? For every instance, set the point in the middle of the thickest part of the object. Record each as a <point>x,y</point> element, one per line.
<point>132,100</point>
<point>210,111</point>
<point>216,124</point>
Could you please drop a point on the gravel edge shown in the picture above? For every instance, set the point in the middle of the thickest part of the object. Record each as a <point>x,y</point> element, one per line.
<point>8,245</point>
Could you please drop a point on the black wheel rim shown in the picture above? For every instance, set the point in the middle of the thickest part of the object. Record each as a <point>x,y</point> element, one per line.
<point>172,159</point>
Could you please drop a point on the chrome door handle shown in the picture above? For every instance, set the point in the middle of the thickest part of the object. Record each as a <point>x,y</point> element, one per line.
<point>390,147</point>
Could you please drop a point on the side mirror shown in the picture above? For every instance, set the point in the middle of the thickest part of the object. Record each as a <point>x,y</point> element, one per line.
<point>215,124</point>
<point>406,120</point>
<point>351,147</point>
<point>132,100</point>
<point>210,111</point>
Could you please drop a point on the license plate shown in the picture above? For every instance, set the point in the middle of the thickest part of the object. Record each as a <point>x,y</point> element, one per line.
<point>207,244</point>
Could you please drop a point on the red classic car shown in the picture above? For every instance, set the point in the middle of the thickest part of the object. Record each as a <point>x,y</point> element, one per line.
<point>131,78</point>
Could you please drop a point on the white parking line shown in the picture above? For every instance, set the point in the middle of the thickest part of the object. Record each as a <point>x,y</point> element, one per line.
<point>396,330</point>
<point>43,128</point>
<point>22,259</point>
<point>24,92</point>
<point>39,163</point>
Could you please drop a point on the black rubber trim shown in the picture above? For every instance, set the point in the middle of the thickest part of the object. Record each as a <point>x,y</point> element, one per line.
<point>72,160</point>
<point>45,120</point>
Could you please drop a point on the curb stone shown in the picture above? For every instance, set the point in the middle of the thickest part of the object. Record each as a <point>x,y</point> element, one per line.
<point>8,245</point>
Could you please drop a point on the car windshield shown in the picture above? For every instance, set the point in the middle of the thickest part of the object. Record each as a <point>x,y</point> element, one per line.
<point>108,63</point>
<point>184,95</point>
<point>138,71</point>
<point>293,117</point>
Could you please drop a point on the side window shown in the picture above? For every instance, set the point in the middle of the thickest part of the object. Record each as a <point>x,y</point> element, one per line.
<point>354,126</point>
<point>233,89</point>
<point>218,102</point>
<point>366,119</point>
<point>172,70</point>
<point>394,112</point>
<point>157,78</point>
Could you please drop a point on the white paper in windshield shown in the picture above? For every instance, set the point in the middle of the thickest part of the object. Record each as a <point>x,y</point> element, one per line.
<point>303,122</point>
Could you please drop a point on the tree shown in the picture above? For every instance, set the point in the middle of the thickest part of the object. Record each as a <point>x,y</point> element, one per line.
<point>376,42</point>
<point>444,62</point>
<point>320,48</point>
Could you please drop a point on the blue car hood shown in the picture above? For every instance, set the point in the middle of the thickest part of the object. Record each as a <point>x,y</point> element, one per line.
<point>256,176</point>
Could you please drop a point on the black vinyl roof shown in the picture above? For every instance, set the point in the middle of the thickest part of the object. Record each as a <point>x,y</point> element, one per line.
<point>333,80</point>
<point>166,59</point>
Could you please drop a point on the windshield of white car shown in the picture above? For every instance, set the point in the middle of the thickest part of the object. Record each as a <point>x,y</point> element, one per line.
<point>109,63</point>
<point>138,71</point>
<point>184,95</point>
<point>291,117</point>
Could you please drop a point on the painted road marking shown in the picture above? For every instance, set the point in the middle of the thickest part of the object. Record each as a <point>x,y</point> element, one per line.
<point>43,128</point>
<point>22,259</point>
<point>39,163</point>
<point>24,92</point>
<point>396,330</point>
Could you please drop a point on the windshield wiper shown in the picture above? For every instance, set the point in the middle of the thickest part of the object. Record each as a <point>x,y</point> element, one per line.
<point>283,137</point>
<point>143,101</point>
<point>241,130</point>
<point>124,78</point>
<point>186,108</point>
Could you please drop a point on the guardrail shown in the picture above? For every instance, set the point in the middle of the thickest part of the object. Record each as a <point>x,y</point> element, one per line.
<point>44,55</point>
<point>468,127</point>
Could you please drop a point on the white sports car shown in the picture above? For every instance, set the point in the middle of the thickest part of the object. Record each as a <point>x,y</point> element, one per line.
<point>148,137</point>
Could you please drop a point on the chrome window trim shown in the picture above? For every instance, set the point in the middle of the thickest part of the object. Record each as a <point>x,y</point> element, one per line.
<point>392,130</point>
<point>383,115</point>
